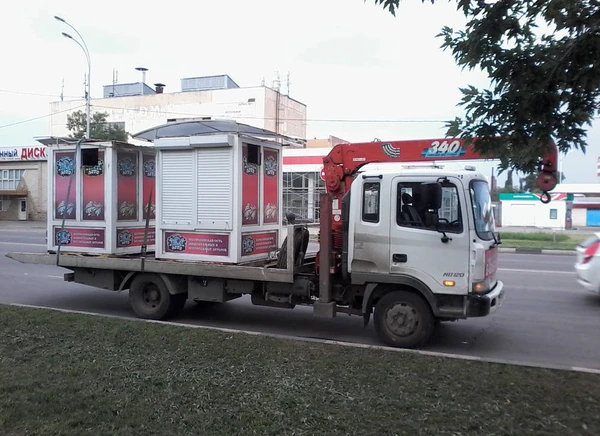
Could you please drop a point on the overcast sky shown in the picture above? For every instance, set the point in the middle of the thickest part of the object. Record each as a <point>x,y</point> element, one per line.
<point>348,60</point>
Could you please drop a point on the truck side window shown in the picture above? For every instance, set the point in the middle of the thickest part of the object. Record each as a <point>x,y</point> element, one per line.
<point>370,203</point>
<point>411,212</point>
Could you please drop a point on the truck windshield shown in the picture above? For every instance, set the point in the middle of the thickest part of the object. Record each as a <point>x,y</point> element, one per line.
<point>482,209</point>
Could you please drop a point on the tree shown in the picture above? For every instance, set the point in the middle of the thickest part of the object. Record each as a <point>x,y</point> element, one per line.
<point>99,127</point>
<point>528,183</point>
<point>543,61</point>
<point>509,185</point>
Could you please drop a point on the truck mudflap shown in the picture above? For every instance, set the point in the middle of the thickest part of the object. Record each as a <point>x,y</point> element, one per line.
<point>483,305</point>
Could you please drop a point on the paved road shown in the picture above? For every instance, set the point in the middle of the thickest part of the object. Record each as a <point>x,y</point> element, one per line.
<point>546,318</point>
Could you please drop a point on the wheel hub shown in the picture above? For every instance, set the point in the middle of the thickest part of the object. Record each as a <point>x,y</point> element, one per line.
<point>401,319</point>
<point>151,295</point>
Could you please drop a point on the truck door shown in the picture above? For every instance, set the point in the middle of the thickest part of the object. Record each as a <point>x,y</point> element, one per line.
<point>416,246</point>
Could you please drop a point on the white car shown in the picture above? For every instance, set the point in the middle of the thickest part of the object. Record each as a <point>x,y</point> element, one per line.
<point>588,264</point>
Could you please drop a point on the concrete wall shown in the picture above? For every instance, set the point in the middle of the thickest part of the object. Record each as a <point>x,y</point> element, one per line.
<point>292,114</point>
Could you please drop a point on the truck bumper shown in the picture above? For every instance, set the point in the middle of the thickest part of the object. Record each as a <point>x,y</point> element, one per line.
<point>483,305</point>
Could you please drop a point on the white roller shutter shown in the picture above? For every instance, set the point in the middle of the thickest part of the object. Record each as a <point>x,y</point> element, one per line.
<point>215,188</point>
<point>177,172</point>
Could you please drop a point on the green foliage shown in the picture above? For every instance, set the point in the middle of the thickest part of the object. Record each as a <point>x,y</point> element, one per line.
<point>534,236</point>
<point>99,127</point>
<point>543,61</point>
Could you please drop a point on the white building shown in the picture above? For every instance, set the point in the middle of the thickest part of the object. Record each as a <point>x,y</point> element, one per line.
<point>23,182</point>
<point>525,209</point>
<point>136,106</point>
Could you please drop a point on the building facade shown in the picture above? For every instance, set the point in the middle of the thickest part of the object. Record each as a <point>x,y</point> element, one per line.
<point>137,106</point>
<point>526,210</point>
<point>23,173</point>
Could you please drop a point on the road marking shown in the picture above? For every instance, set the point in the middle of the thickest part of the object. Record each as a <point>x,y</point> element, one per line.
<point>322,341</point>
<point>22,243</point>
<point>537,271</point>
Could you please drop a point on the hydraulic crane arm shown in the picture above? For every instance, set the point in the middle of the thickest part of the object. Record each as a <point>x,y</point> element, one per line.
<point>344,160</point>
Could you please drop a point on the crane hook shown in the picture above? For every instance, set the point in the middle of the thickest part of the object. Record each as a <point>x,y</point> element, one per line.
<point>545,197</point>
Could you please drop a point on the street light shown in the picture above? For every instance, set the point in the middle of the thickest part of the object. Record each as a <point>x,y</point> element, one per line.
<point>84,47</point>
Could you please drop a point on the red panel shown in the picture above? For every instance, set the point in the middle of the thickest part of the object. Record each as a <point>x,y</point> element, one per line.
<point>149,169</point>
<point>197,243</point>
<point>134,237</point>
<point>64,168</point>
<point>271,186</point>
<point>92,185</point>
<point>127,189</point>
<point>79,237</point>
<point>249,190</point>
<point>258,243</point>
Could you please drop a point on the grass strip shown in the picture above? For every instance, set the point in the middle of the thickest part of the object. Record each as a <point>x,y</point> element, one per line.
<point>539,240</point>
<point>71,374</point>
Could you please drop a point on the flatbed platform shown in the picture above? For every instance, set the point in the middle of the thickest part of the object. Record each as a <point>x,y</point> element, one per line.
<point>267,272</point>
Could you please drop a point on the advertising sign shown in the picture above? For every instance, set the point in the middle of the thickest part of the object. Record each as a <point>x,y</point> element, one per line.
<point>20,153</point>
<point>92,186</point>
<point>134,237</point>
<point>197,243</point>
<point>127,186</point>
<point>64,168</point>
<point>258,243</point>
<point>149,170</point>
<point>79,237</point>
<point>271,186</point>
<point>249,190</point>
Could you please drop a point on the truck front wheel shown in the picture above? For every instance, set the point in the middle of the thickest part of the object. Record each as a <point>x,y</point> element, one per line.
<point>403,319</point>
<point>149,298</point>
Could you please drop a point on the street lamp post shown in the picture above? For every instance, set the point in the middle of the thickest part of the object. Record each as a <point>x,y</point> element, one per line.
<point>560,164</point>
<point>83,46</point>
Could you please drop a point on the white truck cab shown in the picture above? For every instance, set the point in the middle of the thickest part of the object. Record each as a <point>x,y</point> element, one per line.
<point>428,229</point>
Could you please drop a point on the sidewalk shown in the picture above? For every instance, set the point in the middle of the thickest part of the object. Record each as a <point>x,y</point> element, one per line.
<point>22,225</point>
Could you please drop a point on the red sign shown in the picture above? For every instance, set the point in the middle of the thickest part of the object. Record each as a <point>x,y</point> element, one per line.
<point>134,237</point>
<point>127,188</point>
<point>92,186</point>
<point>271,186</point>
<point>148,184</point>
<point>249,189</point>
<point>64,170</point>
<point>197,243</point>
<point>79,237</point>
<point>258,243</point>
<point>22,153</point>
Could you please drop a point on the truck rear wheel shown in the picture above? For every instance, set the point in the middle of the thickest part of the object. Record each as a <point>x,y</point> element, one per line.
<point>403,319</point>
<point>149,298</point>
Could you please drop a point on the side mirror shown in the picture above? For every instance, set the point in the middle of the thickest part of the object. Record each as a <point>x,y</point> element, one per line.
<point>431,195</point>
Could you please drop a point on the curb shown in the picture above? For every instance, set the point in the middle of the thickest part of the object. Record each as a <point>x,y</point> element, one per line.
<point>537,251</point>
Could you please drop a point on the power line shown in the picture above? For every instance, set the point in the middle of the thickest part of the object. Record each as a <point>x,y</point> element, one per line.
<point>40,117</point>
<point>8,91</point>
<point>366,121</point>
